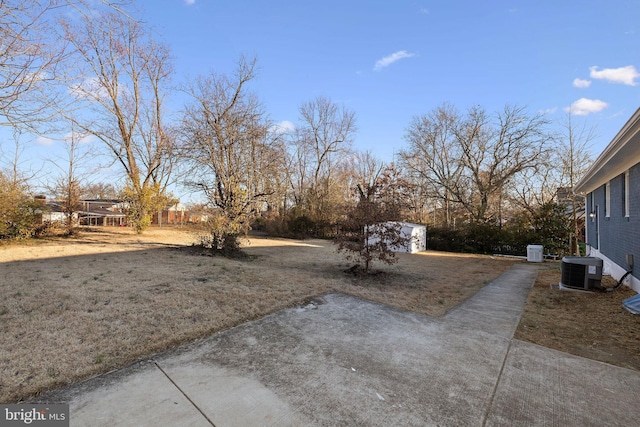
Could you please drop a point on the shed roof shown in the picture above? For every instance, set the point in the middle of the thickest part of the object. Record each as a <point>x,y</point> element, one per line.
<point>407,224</point>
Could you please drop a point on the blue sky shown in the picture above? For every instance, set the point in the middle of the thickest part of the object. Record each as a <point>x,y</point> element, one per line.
<point>392,60</point>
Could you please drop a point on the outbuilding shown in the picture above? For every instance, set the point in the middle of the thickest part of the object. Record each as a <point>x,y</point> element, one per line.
<point>416,233</point>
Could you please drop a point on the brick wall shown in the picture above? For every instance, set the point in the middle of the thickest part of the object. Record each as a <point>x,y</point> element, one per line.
<point>619,235</point>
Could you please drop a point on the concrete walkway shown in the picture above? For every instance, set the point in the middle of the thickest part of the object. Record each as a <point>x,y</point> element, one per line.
<point>342,361</point>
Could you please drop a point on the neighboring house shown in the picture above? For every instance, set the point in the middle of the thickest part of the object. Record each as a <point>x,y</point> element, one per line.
<point>102,212</point>
<point>112,212</point>
<point>564,196</point>
<point>612,203</point>
<point>171,215</point>
<point>196,214</point>
<point>53,212</point>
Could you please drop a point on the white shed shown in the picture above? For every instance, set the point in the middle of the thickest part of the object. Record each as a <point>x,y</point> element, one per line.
<point>416,232</point>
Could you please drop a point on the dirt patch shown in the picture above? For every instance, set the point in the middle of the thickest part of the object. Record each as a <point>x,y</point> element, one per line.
<point>78,307</point>
<point>591,325</point>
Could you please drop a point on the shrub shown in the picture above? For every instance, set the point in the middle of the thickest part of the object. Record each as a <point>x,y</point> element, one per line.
<point>20,214</point>
<point>220,235</point>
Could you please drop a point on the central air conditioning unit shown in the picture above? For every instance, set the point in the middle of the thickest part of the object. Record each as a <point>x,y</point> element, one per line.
<point>584,273</point>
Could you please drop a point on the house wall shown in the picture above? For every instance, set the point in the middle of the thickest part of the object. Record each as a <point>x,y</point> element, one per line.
<point>618,235</point>
<point>170,217</point>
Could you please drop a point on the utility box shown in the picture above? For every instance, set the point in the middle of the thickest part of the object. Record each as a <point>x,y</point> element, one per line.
<point>534,253</point>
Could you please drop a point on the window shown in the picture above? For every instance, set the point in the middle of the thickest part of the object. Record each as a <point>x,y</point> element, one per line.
<point>625,182</point>
<point>607,199</point>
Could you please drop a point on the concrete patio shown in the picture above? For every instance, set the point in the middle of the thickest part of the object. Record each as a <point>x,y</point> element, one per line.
<point>345,361</point>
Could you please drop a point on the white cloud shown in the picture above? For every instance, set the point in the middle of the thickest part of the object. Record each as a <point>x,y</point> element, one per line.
<point>79,137</point>
<point>581,83</point>
<point>89,89</point>
<point>618,114</point>
<point>424,11</point>
<point>388,60</point>
<point>284,126</point>
<point>584,106</point>
<point>549,110</point>
<point>625,75</point>
<point>45,142</point>
<point>189,2</point>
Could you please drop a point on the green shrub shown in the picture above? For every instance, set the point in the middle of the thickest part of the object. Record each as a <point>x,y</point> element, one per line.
<point>20,214</point>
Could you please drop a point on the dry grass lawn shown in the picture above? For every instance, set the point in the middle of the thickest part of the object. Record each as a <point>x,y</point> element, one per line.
<point>591,325</point>
<point>75,308</point>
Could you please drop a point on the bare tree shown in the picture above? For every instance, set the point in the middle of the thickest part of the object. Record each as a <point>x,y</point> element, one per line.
<point>365,169</point>
<point>536,186</point>
<point>552,181</point>
<point>29,60</point>
<point>124,80</point>
<point>324,137</point>
<point>424,206</point>
<point>14,160</point>
<point>33,59</point>
<point>434,156</point>
<point>470,159</point>
<point>99,190</point>
<point>575,158</point>
<point>234,157</point>
<point>299,167</point>
<point>68,185</point>
<point>494,154</point>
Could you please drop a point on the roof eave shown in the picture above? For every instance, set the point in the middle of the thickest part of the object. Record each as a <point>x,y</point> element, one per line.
<point>621,154</point>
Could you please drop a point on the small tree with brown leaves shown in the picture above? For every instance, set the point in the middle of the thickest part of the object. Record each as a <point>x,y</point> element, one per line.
<point>18,210</point>
<point>370,230</point>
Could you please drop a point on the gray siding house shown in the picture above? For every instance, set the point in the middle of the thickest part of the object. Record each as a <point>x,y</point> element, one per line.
<point>612,191</point>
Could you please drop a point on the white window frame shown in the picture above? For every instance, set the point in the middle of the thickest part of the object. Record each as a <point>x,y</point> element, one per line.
<point>626,194</point>
<point>607,199</point>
